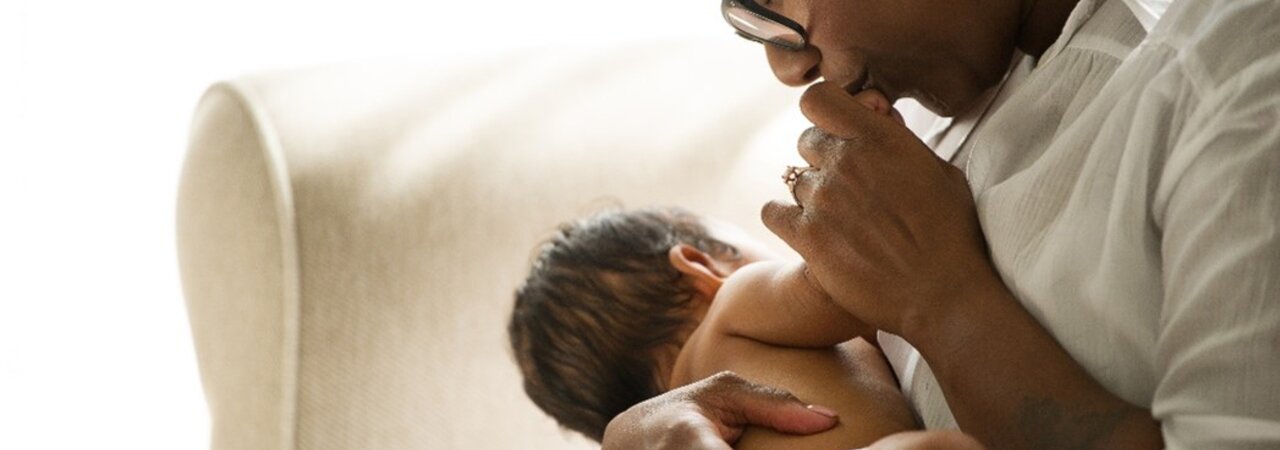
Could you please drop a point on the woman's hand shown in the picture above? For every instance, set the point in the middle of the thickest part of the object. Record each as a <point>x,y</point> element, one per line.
<point>712,414</point>
<point>888,229</point>
<point>890,232</point>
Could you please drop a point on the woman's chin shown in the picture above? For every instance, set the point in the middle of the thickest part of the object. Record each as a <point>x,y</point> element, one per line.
<point>946,106</point>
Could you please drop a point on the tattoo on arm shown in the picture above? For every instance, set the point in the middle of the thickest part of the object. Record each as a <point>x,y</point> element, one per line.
<point>1045,424</point>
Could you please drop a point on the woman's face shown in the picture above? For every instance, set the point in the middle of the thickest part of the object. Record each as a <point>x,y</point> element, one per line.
<point>943,53</point>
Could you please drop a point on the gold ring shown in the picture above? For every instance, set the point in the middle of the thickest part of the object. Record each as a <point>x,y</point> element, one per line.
<point>792,176</point>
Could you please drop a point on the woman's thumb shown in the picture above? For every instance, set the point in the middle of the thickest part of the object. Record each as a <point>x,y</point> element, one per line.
<point>740,403</point>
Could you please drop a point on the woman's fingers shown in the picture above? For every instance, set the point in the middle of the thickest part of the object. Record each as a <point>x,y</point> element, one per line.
<point>711,414</point>
<point>886,226</point>
<point>842,114</point>
<point>818,147</point>
<point>783,219</point>
<point>737,403</point>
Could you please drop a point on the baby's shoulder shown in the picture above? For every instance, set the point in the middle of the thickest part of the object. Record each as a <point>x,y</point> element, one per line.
<point>743,289</point>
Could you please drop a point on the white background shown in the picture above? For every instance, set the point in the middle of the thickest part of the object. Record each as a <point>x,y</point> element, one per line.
<point>95,100</point>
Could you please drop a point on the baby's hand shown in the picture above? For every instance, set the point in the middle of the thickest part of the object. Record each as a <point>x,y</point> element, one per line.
<point>876,101</point>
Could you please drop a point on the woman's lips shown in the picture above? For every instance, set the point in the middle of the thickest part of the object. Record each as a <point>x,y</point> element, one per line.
<point>858,84</point>
<point>867,81</point>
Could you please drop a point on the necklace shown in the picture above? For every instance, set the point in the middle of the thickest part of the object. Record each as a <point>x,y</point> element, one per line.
<point>1013,72</point>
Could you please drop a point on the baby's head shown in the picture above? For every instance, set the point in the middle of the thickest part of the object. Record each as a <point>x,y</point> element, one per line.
<point>603,304</point>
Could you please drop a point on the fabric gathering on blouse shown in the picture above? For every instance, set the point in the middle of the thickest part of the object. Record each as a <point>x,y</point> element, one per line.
<point>1128,184</point>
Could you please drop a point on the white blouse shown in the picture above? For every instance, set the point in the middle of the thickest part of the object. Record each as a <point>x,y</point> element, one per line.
<point>1142,227</point>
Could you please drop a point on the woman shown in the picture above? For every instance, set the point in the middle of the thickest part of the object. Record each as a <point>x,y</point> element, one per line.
<point>1124,295</point>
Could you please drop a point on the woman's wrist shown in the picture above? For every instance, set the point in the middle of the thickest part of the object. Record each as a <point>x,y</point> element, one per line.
<point>999,368</point>
<point>971,313</point>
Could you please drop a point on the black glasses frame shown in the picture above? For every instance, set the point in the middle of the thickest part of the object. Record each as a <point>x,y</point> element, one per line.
<point>764,13</point>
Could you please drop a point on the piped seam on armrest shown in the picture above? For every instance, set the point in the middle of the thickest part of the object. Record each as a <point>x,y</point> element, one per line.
<point>278,173</point>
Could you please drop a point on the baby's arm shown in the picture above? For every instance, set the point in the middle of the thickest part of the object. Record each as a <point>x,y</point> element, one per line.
<point>778,303</point>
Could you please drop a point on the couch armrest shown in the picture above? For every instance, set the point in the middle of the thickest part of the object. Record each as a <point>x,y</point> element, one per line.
<point>238,257</point>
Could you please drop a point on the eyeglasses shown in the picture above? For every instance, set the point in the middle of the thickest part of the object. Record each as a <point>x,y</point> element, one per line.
<point>760,24</point>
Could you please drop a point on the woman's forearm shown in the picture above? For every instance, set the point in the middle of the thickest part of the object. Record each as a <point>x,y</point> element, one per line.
<point>1011,385</point>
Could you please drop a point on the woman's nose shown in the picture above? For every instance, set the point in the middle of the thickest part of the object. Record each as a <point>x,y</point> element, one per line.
<point>794,67</point>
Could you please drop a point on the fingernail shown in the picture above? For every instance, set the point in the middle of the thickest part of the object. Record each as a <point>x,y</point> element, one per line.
<point>823,410</point>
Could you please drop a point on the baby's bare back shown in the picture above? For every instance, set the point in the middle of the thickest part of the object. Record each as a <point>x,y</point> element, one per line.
<point>852,378</point>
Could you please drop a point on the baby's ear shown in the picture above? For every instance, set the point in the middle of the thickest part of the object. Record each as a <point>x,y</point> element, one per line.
<point>698,269</point>
<point>691,261</point>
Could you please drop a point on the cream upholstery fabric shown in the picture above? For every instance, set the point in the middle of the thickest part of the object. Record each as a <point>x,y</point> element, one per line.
<point>350,237</point>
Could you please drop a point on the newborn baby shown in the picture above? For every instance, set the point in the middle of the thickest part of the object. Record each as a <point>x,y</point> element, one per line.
<point>622,306</point>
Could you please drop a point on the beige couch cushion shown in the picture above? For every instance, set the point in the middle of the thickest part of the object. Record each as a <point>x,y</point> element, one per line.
<point>350,237</point>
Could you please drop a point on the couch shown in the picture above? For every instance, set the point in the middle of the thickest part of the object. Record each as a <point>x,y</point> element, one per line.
<point>350,236</point>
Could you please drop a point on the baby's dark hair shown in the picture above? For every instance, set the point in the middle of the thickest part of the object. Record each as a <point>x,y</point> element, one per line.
<point>601,299</point>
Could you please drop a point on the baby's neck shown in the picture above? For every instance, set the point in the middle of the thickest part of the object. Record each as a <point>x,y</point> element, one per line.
<point>678,371</point>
